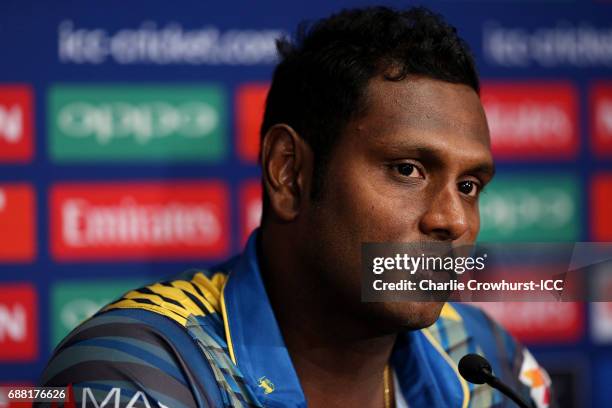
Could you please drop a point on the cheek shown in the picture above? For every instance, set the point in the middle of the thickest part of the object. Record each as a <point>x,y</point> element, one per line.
<point>376,210</point>
<point>473,222</point>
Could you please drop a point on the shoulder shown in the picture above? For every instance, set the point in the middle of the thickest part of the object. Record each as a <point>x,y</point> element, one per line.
<point>191,294</point>
<point>142,348</point>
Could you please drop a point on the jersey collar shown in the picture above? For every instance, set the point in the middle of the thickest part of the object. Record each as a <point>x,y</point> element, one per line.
<point>254,335</point>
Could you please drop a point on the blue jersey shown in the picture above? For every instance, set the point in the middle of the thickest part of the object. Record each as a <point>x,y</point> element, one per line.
<point>210,339</point>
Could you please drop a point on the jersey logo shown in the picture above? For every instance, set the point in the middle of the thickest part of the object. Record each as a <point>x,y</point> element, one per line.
<point>266,384</point>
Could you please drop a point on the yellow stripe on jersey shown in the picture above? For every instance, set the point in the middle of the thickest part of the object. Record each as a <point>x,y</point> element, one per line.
<point>450,313</point>
<point>189,288</point>
<point>228,335</point>
<point>132,304</point>
<point>177,295</point>
<point>179,300</point>
<point>157,300</point>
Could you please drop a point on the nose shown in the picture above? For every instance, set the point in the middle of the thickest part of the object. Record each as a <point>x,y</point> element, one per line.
<point>445,219</point>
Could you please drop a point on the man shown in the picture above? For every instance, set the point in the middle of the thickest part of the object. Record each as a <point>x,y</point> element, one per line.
<point>373,132</point>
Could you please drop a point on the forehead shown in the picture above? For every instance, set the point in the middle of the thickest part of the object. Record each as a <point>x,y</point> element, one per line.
<point>423,112</point>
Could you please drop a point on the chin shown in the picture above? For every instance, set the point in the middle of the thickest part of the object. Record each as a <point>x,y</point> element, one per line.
<point>399,316</point>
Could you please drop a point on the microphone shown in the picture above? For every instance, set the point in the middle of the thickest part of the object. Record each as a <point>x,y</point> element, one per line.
<point>477,370</point>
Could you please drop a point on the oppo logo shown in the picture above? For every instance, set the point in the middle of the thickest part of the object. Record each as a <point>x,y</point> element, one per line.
<point>142,121</point>
<point>550,209</point>
<point>78,310</point>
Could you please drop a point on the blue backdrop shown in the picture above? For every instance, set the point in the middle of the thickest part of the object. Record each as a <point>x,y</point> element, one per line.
<point>124,124</point>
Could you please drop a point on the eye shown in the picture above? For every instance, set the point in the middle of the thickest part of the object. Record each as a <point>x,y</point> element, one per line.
<point>408,170</point>
<point>469,188</point>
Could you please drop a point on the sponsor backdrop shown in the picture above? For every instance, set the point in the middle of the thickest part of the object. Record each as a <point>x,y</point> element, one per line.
<point>129,137</point>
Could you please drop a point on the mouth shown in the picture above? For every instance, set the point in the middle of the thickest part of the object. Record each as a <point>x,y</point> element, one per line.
<point>437,275</point>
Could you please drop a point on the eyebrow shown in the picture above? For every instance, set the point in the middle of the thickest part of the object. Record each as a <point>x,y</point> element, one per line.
<point>486,168</point>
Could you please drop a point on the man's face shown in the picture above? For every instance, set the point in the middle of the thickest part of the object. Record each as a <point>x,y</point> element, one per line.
<point>409,170</point>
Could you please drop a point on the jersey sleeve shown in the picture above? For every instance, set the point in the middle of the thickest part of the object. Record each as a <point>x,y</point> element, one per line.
<point>123,359</point>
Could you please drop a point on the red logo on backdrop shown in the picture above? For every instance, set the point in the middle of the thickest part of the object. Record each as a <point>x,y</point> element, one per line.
<point>532,120</point>
<point>18,323</point>
<point>250,105</point>
<point>250,208</point>
<point>139,221</point>
<point>539,322</point>
<point>17,223</point>
<point>601,216</point>
<point>601,118</point>
<point>16,123</point>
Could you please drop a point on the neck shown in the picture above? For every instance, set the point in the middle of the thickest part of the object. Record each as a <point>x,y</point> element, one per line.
<point>341,374</point>
<point>338,359</point>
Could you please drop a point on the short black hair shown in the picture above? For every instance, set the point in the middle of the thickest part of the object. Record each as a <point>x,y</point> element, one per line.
<point>319,84</point>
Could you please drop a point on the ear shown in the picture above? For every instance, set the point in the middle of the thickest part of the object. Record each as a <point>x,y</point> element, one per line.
<point>285,161</point>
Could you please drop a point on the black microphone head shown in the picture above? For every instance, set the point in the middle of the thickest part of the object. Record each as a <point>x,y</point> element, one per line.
<point>475,368</point>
